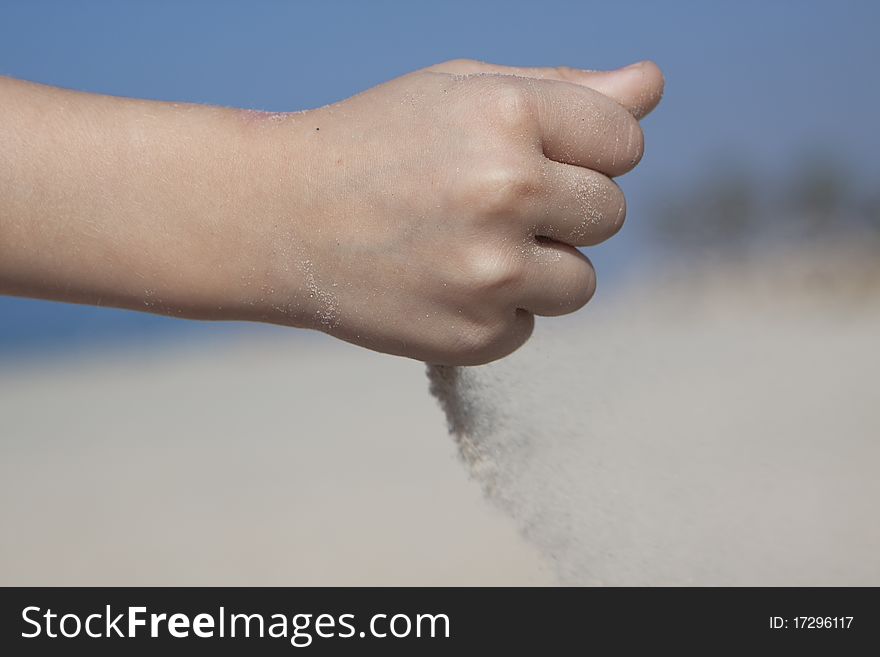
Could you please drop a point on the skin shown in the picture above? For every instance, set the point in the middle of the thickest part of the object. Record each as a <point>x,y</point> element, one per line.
<point>431,217</point>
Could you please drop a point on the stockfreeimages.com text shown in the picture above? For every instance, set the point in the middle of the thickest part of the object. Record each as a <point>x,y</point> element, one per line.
<point>300,629</point>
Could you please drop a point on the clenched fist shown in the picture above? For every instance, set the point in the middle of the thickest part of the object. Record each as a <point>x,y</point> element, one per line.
<point>438,213</point>
<point>432,216</point>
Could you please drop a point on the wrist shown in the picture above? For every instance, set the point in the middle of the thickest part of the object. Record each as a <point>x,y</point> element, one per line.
<point>258,257</point>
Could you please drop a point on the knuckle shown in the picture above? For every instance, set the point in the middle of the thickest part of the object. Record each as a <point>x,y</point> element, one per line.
<point>460,63</point>
<point>480,338</point>
<point>567,73</point>
<point>491,271</point>
<point>502,188</point>
<point>483,342</point>
<point>509,106</point>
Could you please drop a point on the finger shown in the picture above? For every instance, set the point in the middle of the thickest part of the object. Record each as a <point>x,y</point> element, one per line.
<point>638,87</point>
<point>577,206</point>
<point>509,333</point>
<point>582,127</point>
<point>558,279</point>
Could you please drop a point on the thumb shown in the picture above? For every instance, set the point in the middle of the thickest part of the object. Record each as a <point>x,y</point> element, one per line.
<point>638,87</point>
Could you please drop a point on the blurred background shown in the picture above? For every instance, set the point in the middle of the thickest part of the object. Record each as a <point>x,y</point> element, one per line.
<point>138,449</point>
<point>770,107</point>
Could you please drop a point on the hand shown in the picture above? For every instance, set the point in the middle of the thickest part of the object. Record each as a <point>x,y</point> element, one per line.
<point>430,217</point>
<point>440,212</point>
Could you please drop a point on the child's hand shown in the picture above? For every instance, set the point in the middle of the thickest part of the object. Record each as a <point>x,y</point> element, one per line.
<point>434,215</point>
<point>430,217</point>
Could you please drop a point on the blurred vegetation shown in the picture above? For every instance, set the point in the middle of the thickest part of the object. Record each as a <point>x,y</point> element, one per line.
<point>733,210</point>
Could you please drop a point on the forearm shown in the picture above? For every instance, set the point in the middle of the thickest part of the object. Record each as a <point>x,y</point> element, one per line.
<point>136,204</point>
<point>432,216</point>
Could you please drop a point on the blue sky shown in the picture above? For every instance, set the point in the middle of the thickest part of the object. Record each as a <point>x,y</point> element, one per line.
<point>760,82</point>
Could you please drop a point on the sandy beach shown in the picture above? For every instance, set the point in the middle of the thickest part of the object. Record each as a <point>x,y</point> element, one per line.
<point>719,428</point>
<point>282,462</point>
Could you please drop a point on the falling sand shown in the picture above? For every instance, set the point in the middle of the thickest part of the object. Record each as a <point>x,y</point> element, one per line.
<point>716,428</point>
